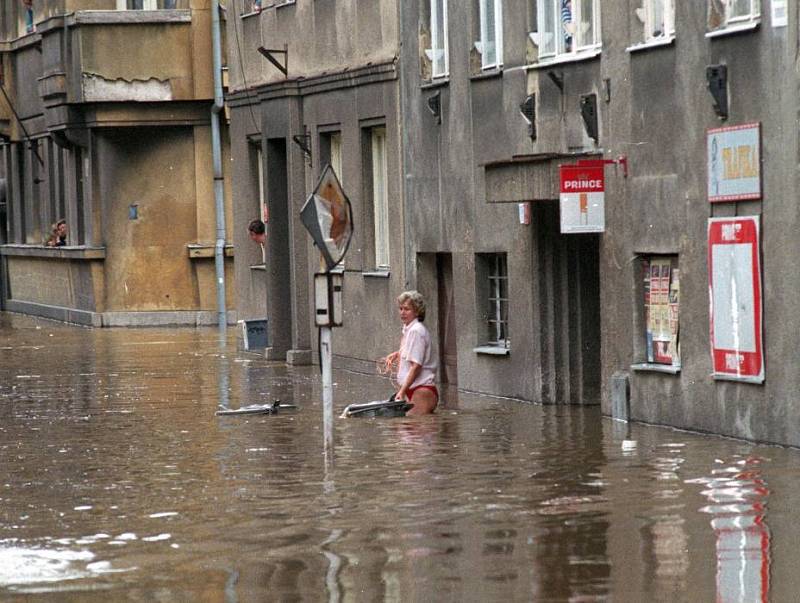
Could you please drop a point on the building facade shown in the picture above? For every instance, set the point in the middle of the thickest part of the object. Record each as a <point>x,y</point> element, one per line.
<point>665,298</point>
<point>675,309</point>
<point>312,84</point>
<point>105,121</point>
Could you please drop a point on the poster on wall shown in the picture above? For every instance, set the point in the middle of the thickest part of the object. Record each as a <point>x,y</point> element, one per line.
<point>734,287</point>
<point>582,199</point>
<point>661,300</point>
<point>734,163</point>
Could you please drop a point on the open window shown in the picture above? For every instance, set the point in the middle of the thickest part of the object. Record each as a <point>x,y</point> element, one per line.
<point>656,20</point>
<point>728,16</point>
<point>567,29</point>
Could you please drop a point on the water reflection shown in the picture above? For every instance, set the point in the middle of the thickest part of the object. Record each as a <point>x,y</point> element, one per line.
<point>738,495</point>
<point>117,475</point>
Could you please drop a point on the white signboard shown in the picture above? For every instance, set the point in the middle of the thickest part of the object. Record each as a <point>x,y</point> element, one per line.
<point>734,163</point>
<point>582,199</point>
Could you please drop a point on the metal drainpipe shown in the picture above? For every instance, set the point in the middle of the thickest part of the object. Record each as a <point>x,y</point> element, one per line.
<point>216,152</point>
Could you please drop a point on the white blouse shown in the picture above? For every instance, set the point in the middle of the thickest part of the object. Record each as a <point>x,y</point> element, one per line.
<point>416,347</point>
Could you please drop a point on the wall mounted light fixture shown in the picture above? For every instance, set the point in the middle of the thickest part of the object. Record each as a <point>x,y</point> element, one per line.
<point>528,110</point>
<point>435,106</point>
<point>589,115</point>
<point>717,81</point>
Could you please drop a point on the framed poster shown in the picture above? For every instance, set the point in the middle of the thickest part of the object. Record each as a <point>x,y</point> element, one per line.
<point>734,289</point>
<point>734,162</point>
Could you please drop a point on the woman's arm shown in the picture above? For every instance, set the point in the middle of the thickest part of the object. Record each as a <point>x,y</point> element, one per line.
<point>412,375</point>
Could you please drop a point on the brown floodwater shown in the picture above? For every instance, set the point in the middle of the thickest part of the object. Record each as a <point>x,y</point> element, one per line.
<point>119,482</point>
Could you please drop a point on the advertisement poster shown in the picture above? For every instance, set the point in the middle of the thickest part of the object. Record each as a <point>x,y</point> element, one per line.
<point>661,299</point>
<point>582,199</point>
<point>734,163</point>
<point>734,272</point>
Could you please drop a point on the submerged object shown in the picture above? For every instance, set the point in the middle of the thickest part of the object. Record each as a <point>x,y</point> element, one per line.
<point>254,409</point>
<point>378,408</point>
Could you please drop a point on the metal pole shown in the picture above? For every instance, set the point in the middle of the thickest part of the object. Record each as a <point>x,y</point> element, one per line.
<point>216,152</point>
<point>326,352</point>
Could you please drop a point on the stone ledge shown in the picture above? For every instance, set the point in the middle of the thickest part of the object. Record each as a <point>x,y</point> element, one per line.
<point>70,252</point>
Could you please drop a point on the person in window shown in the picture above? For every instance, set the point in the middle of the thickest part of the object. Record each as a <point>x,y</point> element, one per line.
<point>416,373</point>
<point>29,27</point>
<point>58,235</point>
<point>257,231</point>
<point>567,25</point>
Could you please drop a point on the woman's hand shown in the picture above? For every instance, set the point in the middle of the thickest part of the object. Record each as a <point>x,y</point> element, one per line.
<point>388,364</point>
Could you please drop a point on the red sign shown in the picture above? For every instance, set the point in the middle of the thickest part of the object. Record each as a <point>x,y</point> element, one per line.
<point>582,179</point>
<point>734,285</point>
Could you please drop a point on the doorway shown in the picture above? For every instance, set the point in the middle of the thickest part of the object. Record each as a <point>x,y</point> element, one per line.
<point>446,320</point>
<point>567,292</point>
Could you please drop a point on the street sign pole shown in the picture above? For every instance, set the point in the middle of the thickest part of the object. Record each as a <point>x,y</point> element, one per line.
<point>328,217</point>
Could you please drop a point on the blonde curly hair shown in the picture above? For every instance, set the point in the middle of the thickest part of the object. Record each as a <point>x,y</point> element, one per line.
<point>416,300</point>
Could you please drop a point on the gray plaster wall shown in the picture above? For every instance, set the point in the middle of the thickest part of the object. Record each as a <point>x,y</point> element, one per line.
<point>446,201</point>
<point>658,115</point>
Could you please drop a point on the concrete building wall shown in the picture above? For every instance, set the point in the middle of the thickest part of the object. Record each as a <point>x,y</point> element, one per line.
<point>341,79</point>
<point>119,104</point>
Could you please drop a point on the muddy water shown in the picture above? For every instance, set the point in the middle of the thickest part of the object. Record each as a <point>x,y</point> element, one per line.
<point>118,482</point>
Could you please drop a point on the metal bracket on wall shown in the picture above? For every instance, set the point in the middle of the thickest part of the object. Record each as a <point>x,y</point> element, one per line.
<point>304,142</point>
<point>269,54</point>
<point>558,79</point>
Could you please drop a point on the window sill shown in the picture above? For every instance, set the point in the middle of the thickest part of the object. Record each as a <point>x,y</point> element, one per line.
<point>376,274</point>
<point>577,57</point>
<point>488,74</point>
<point>202,250</point>
<point>656,368</point>
<point>267,6</point>
<point>67,252</point>
<point>438,82</point>
<point>655,43</point>
<point>492,350</point>
<point>734,29</point>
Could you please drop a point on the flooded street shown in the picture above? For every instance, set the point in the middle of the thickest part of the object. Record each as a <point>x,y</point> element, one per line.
<point>119,483</point>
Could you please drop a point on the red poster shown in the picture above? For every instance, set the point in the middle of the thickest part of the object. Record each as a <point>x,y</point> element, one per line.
<point>735,304</point>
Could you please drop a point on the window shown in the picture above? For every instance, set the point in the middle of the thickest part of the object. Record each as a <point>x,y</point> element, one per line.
<point>733,14</point>
<point>146,4</point>
<point>661,277</point>
<point>380,197</point>
<point>336,155</point>
<point>492,276</point>
<point>658,20</point>
<point>437,53</point>
<point>490,45</point>
<point>566,27</point>
<point>29,26</point>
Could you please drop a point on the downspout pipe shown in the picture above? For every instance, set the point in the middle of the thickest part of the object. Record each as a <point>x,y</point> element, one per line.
<point>216,152</point>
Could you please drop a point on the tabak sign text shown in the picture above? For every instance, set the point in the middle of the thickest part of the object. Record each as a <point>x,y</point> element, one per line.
<point>582,198</point>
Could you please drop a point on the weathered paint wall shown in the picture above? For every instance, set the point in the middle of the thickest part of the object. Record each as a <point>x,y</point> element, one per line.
<point>156,155</point>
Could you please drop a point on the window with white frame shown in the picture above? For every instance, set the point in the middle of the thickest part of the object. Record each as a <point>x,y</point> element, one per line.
<point>380,197</point>
<point>490,45</point>
<point>336,155</point>
<point>437,53</point>
<point>658,20</point>
<point>146,4</point>
<point>492,273</point>
<point>567,27</point>
<point>728,14</point>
